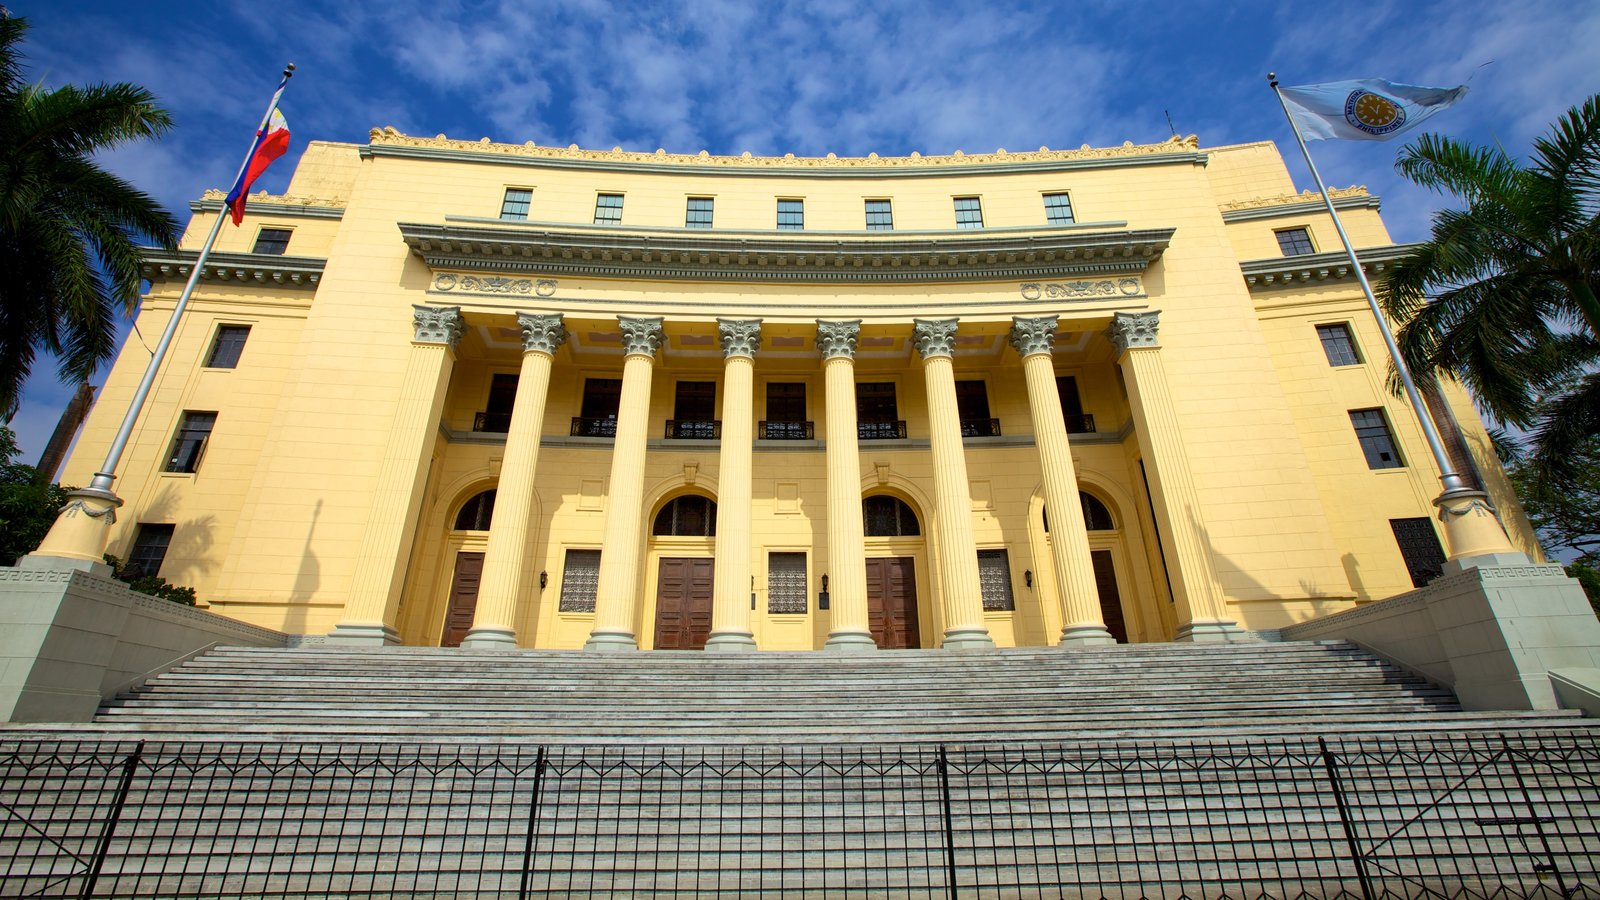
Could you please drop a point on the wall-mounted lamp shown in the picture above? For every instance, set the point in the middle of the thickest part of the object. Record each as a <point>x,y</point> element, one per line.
<point>1027,577</point>
<point>544,579</point>
<point>822,598</point>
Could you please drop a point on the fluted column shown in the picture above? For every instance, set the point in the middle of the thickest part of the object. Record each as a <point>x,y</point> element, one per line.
<point>730,590</point>
<point>1084,624</point>
<point>504,558</point>
<point>369,613</point>
<point>958,550</point>
<point>847,557</point>
<point>1202,613</point>
<point>617,594</point>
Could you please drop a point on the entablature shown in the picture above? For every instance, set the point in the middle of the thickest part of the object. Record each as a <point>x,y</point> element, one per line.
<point>1314,267</point>
<point>261,268</point>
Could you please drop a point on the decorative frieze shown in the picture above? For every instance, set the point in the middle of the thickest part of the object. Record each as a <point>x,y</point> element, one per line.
<point>934,337</point>
<point>1033,335</point>
<point>838,338</point>
<point>543,333</point>
<point>740,337</point>
<point>493,284</point>
<point>1082,290</point>
<point>438,324</point>
<point>1130,331</point>
<point>640,334</point>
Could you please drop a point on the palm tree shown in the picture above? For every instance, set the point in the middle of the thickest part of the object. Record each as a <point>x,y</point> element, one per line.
<point>69,230</point>
<point>1502,297</point>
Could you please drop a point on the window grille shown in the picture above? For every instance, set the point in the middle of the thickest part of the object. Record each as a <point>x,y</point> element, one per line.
<point>580,580</point>
<point>1295,242</point>
<point>786,582</point>
<point>698,214</point>
<point>272,241</point>
<point>1377,443</point>
<point>477,513</point>
<point>189,445</point>
<point>149,549</point>
<point>1419,547</point>
<point>994,580</point>
<point>791,215</point>
<point>880,215</point>
<point>889,517</point>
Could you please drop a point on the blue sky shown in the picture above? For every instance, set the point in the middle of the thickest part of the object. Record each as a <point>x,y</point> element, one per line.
<point>803,77</point>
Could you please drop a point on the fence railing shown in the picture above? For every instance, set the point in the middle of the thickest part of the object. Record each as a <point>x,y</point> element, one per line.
<point>1422,817</point>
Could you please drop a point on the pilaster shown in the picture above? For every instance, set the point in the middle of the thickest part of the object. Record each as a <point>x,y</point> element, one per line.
<point>847,558</point>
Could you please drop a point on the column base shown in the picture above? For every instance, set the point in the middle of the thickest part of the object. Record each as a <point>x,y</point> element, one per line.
<point>1214,631</point>
<point>364,634</point>
<point>731,642</point>
<point>850,642</point>
<point>611,642</point>
<point>490,637</point>
<point>1086,635</point>
<point>967,639</point>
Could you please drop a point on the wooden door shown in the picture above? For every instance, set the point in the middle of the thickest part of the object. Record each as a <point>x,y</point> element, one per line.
<point>683,604</point>
<point>463,598</point>
<point>1105,579</point>
<point>892,602</point>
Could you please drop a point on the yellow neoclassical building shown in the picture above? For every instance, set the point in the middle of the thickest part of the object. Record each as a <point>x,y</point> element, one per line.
<point>468,393</point>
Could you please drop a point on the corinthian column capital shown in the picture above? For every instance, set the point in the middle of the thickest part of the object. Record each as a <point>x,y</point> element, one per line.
<point>1130,331</point>
<point>543,333</point>
<point>1033,335</point>
<point>838,338</point>
<point>934,337</point>
<point>437,324</point>
<point>640,334</point>
<point>740,337</point>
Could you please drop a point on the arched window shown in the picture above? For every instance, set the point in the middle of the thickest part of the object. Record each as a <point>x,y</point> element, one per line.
<point>1096,517</point>
<point>688,516</point>
<point>476,513</point>
<point>889,517</point>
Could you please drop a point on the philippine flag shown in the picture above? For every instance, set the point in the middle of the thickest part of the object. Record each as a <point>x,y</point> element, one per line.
<point>271,143</point>
<point>1370,109</point>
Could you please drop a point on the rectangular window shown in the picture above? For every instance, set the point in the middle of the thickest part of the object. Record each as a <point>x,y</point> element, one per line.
<point>1072,406</point>
<point>877,413</point>
<point>969,212</point>
<point>227,346</point>
<point>149,550</point>
<point>786,412</point>
<point>994,580</point>
<point>880,216</point>
<point>1295,242</point>
<point>694,411</point>
<point>1376,440</point>
<point>1058,209</point>
<point>190,443</point>
<point>1339,345</point>
<point>791,215</point>
<point>496,415</point>
<point>272,241</point>
<point>580,578</point>
<point>698,214</point>
<point>597,417</point>
<point>786,582</point>
<point>516,204</point>
<point>972,406</point>
<point>1419,547</point>
<point>608,209</point>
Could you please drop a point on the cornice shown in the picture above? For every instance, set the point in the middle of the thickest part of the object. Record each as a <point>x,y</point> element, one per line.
<point>1307,203</point>
<point>1284,271</point>
<point>389,142</point>
<point>760,258</point>
<point>260,268</point>
<point>283,205</point>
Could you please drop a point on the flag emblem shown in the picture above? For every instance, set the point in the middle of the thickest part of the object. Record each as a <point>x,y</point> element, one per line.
<point>1373,113</point>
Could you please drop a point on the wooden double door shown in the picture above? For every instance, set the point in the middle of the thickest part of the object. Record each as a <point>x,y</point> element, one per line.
<point>683,603</point>
<point>463,598</point>
<point>892,602</point>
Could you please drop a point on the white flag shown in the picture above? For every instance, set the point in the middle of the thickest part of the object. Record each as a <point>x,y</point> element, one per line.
<point>1369,109</point>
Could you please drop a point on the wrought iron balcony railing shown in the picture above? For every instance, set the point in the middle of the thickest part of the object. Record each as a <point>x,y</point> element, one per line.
<point>980,427</point>
<point>1083,423</point>
<point>881,431</point>
<point>492,422</point>
<point>678,430</point>
<point>594,427</point>
<point>786,431</point>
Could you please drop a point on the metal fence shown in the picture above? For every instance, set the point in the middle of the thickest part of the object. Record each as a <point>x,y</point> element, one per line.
<point>1425,817</point>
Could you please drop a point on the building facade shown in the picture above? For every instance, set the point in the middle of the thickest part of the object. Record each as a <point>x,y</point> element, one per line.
<point>451,392</point>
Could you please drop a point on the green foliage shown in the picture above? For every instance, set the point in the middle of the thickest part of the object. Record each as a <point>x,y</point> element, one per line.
<point>1588,575</point>
<point>1502,297</point>
<point>154,585</point>
<point>28,503</point>
<point>69,230</point>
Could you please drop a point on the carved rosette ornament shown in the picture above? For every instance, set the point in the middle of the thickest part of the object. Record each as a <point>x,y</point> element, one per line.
<point>934,337</point>
<point>640,334</point>
<point>1033,335</point>
<point>438,325</point>
<point>543,333</point>
<point>838,338</point>
<point>740,337</point>
<point>1131,331</point>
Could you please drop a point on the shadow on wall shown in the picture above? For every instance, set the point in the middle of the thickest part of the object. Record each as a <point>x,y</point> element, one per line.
<point>191,542</point>
<point>307,579</point>
<point>1237,586</point>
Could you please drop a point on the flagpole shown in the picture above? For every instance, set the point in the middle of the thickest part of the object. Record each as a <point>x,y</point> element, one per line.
<point>107,474</point>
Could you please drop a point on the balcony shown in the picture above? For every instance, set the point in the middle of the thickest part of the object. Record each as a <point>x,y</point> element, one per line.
<point>980,427</point>
<point>592,427</point>
<point>685,430</point>
<point>881,431</point>
<point>1083,423</point>
<point>785,431</point>
<point>492,422</point>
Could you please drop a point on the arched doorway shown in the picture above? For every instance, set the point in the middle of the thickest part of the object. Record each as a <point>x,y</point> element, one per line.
<point>893,542</point>
<point>681,533</point>
<point>469,529</point>
<point>1103,546</point>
